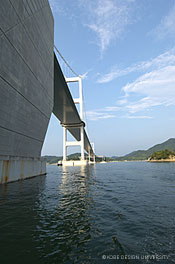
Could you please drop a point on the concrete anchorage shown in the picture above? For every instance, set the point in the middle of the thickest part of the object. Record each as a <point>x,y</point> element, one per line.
<point>26,86</point>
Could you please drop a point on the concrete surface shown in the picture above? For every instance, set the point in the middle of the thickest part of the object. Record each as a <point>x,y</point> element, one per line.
<point>26,86</point>
<point>15,168</point>
<point>74,162</point>
<point>26,76</point>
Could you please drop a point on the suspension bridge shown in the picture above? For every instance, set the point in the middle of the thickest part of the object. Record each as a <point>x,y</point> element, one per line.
<point>70,117</point>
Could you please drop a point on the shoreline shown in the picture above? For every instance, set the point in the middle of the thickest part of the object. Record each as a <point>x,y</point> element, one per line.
<point>162,160</point>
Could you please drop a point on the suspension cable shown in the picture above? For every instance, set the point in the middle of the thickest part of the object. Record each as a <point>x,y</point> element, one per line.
<point>66,62</point>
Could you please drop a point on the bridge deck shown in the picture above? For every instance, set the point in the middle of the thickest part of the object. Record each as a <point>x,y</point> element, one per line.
<point>64,107</point>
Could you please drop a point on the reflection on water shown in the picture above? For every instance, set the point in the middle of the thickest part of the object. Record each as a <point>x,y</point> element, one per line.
<point>69,225</point>
<point>74,211</point>
<point>90,214</point>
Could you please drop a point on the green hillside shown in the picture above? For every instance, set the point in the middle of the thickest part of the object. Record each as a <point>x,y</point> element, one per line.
<point>55,159</point>
<point>52,159</point>
<point>145,154</point>
<point>162,155</point>
<point>135,155</point>
<point>74,156</point>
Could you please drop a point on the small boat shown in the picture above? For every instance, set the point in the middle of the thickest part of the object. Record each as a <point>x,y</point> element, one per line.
<point>59,163</point>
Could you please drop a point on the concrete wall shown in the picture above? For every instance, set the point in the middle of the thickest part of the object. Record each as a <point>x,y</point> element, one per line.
<point>26,76</point>
<point>14,169</point>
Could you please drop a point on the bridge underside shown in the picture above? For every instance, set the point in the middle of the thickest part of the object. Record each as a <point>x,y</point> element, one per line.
<point>65,110</point>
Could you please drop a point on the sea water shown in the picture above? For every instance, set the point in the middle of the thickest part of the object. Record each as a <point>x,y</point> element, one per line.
<point>120,212</point>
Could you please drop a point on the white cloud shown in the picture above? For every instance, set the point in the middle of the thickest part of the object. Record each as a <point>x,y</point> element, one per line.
<point>156,88</point>
<point>102,113</point>
<point>122,101</point>
<point>116,73</point>
<point>166,26</point>
<point>108,19</point>
<point>111,108</point>
<point>137,117</point>
<point>94,115</point>
<point>141,105</point>
<point>167,58</point>
<point>98,114</point>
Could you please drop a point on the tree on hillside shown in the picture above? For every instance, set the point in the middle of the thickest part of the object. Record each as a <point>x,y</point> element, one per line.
<point>164,154</point>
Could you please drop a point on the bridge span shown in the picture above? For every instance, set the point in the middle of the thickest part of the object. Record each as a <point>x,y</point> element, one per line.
<point>65,110</point>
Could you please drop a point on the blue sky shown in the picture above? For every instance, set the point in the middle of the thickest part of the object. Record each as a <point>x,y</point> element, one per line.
<point>125,49</point>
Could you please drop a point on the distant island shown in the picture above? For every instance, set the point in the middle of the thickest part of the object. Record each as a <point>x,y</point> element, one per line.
<point>146,154</point>
<point>75,156</point>
<point>163,156</point>
<point>165,149</point>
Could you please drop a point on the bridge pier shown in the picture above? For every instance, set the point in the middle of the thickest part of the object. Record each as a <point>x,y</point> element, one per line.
<point>82,142</point>
<point>67,143</point>
<point>64,143</point>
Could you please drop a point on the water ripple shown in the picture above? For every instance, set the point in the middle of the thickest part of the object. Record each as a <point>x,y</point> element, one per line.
<point>81,215</point>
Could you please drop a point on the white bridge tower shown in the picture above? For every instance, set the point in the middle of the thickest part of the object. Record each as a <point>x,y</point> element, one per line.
<point>80,143</point>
